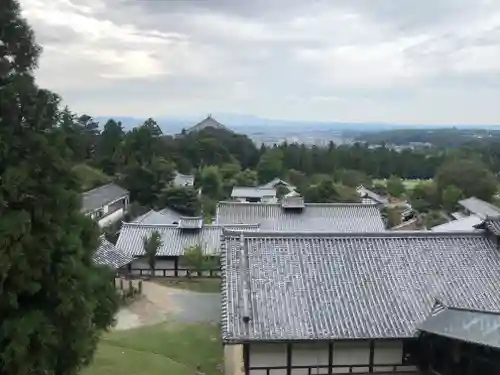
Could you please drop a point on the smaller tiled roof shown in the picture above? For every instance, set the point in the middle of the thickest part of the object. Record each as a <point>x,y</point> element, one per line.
<point>491,224</point>
<point>466,224</point>
<point>368,194</point>
<point>186,222</point>
<point>323,217</point>
<point>252,192</point>
<point>174,239</point>
<point>479,207</point>
<point>280,286</point>
<point>98,197</point>
<point>472,326</point>
<point>152,217</point>
<point>278,181</point>
<point>183,179</point>
<point>108,255</point>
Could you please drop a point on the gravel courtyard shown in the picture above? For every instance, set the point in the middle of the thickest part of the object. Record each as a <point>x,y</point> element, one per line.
<point>159,302</point>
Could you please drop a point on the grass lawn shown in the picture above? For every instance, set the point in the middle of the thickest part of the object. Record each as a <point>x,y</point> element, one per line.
<point>202,285</point>
<point>162,349</point>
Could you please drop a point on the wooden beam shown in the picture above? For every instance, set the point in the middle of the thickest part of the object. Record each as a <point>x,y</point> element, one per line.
<point>372,355</point>
<point>246,358</point>
<point>330,358</point>
<point>289,359</point>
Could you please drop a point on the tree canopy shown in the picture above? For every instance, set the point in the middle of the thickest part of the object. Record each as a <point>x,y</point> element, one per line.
<point>472,177</point>
<point>55,301</point>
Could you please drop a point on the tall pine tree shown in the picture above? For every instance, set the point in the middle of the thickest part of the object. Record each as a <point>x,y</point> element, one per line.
<point>54,302</point>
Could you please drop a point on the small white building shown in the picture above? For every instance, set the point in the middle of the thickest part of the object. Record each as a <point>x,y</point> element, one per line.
<point>106,204</point>
<point>254,194</point>
<point>342,303</point>
<point>183,180</point>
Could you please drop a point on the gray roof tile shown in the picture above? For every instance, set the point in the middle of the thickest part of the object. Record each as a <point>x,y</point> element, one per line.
<point>252,192</point>
<point>322,217</point>
<point>152,217</point>
<point>351,285</point>
<point>98,197</point>
<point>491,224</point>
<point>186,222</point>
<point>479,207</point>
<point>208,122</point>
<point>174,239</point>
<point>465,224</point>
<point>108,255</point>
<point>476,327</point>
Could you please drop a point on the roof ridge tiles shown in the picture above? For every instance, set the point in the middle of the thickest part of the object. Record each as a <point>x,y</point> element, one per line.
<point>101,187</point>
<point>387,234</point>
<point>176,226</point>
<point>338,204</point>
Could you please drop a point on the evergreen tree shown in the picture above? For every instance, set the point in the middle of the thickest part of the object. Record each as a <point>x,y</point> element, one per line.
<point>54,302</point>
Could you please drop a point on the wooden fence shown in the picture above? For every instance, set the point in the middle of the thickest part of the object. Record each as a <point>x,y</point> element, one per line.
<point>175,272</point>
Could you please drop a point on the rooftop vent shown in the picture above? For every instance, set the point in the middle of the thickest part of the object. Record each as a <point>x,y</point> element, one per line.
<point>190,223</point>
<point>245,278</point>
<point>293,203</point>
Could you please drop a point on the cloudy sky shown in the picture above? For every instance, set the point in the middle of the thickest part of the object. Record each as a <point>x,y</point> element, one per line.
<point>396,61</point>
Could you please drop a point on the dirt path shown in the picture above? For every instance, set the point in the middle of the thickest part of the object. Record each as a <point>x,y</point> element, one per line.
<point>159,302</point>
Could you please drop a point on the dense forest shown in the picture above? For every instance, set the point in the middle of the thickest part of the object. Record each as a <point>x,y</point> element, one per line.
<point>144,161</point>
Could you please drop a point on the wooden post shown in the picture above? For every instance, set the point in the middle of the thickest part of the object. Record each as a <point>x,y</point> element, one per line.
<point>140,286</point>
<point>121,283</point>
<point>289,359</point>
<point>246,358</point>
<point>330,358</point>
<point>372,354</point>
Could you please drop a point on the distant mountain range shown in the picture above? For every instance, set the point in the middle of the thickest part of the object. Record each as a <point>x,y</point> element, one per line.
<point>258,125</point>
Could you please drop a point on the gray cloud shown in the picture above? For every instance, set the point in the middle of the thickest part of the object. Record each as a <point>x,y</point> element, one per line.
<point>348,60</point>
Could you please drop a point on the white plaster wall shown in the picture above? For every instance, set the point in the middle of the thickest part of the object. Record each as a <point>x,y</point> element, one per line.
<point>111,218</point>
<point>316,354</point>
<point>267,355</point>
<point>269,199</point>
